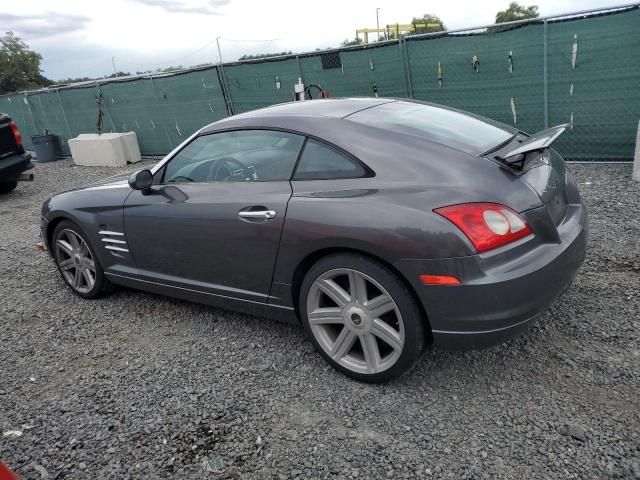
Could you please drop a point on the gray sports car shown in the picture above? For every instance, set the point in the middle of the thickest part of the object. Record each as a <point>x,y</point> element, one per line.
<point>381,225</point>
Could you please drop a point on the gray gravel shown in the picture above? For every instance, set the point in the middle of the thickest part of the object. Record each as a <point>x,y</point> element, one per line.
<point>141,386</point>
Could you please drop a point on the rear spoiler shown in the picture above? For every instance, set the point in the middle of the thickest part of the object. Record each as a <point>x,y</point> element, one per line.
<point>535,143</point>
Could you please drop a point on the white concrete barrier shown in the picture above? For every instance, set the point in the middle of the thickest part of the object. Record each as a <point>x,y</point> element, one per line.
<point>636,159</point>
<point>108,149</point>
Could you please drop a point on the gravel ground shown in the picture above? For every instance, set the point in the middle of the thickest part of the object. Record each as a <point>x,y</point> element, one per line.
<point>141,386</point>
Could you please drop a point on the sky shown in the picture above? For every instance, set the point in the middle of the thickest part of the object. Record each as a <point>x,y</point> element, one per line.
<point>78,38</point>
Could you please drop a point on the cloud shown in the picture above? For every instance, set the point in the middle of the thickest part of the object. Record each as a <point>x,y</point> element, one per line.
<point>43,24</point>
<point>207,7</point>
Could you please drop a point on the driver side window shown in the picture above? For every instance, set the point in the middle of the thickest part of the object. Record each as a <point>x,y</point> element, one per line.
<point>237,156</point>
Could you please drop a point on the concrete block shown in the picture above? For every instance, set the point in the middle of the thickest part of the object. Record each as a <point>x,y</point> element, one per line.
<point>131,147</point>
<point>636,159</point>
<point>108,149</point>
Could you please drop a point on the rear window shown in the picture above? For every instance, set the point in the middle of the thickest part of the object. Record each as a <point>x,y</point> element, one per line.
<point>436,124</point>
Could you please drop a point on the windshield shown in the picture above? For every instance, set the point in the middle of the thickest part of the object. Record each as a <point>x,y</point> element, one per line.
<point>437,124</point>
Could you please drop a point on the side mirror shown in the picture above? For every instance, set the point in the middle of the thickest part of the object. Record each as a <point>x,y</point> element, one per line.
<point>141,180</point>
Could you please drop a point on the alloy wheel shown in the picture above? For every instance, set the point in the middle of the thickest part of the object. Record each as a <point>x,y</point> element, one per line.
<point>75,261</point>
<point>355,321</point>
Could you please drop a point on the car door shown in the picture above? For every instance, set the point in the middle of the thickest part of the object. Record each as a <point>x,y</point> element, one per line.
<point>213,219</point>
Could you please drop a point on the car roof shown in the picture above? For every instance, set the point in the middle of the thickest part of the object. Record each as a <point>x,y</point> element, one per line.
<point>329,107</point>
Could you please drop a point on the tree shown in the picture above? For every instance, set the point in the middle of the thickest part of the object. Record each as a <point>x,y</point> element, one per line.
<point>349,43</point>
<point>427,19</point>
<point>74,80</point>
<point>517,12</point>
<point>119,74</point>
<point>19,66</point>
<point>263,55</point>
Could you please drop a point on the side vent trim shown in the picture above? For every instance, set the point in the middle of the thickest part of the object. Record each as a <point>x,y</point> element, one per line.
<point>118,249</point>
<point>114,245</point>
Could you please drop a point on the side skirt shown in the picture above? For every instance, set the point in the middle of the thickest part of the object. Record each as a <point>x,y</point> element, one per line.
<point>276,312</point>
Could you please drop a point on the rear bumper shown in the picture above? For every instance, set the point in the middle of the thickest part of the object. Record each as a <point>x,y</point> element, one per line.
<point>502,293</point>
<point>13,166</point>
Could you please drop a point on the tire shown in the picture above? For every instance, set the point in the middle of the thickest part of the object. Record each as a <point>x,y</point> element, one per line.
<point>77,260</point>
<point>358,330</point>
<point>6,187</point>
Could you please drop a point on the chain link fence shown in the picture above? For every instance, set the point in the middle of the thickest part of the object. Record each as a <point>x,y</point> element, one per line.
<point>581,69</point>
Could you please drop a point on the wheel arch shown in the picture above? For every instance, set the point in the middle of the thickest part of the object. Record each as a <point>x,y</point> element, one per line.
<point>51,227</point>
<point>305,265</point>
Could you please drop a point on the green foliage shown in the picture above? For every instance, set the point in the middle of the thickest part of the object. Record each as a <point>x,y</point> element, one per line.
<point>428,18</point>
<point>19,66</point>
<point>74,80</point>
<point>119,74</point>
<point>517,12</point>
<point>263,55</point>
<point>349,43</point>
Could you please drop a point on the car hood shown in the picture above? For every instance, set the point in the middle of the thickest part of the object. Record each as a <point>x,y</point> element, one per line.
<point>107,194</point>
<point>115,180</point>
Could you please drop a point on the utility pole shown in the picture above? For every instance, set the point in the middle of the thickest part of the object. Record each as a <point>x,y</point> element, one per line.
<point>377,24</point>
<point>219,54</point>
<point>115,70</point>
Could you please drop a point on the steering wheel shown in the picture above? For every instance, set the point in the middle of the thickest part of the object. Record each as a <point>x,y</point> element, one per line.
<point>224,163</point>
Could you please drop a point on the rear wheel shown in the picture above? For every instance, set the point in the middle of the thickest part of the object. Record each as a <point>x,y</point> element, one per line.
<point>77,261</point>
<point>6,187</point>
<point>361,318</point>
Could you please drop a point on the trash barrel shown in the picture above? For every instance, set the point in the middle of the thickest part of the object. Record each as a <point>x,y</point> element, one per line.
<point>45,147</point>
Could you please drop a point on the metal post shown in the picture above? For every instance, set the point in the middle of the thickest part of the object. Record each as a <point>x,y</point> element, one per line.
<point>225,86</point>
<point>408,70</point>
<point>164,123</point>
<point>224,89</point>
<point>219,52</point>
<point>223,77</point>
<point>377,24</point>
<point>64,114</point>
<point>545,80</point>
<point>404,68</point>
<point>300,74</point>
<point>636,161</point>
<point>33,119</point>
<point>106,110</point>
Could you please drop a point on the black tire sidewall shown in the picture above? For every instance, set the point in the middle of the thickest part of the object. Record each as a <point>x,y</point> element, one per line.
<point>414,323</point>
<point>101,282</point>
<point>6,187</point>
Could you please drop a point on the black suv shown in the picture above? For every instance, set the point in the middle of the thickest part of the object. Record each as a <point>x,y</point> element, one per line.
<point>13,158</point>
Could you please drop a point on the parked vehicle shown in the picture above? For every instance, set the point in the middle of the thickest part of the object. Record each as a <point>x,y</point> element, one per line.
<point>381,225</point>
<point>14,161</point>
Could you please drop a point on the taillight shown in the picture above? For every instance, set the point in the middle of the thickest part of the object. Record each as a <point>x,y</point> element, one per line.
<point>16,133</point>
<point>486,225</point>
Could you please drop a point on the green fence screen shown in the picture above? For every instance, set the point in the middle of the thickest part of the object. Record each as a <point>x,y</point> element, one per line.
<point>582,70</point>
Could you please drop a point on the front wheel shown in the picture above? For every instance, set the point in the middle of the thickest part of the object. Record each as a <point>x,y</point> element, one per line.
<point>361,318</point>
<point>77,262</point>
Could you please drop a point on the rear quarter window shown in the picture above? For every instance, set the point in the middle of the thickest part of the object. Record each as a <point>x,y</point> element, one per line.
<point>322,162</point>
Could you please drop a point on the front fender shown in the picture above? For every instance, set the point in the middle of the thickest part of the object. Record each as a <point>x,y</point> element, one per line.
<point>93,210</point>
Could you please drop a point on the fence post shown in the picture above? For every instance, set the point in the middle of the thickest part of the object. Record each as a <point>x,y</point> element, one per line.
<point>636,159</point>
<point>106,110</point>
<point>225,89</point>
<point>299,68</point>
<point>33,119</point>
<point>406,65</point>
<point>164,123</point>
<point>404,68</point>
<point>64,114</point>
<point>545,80</point>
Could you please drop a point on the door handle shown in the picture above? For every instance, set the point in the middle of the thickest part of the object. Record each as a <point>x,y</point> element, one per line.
<point>257,214</point>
